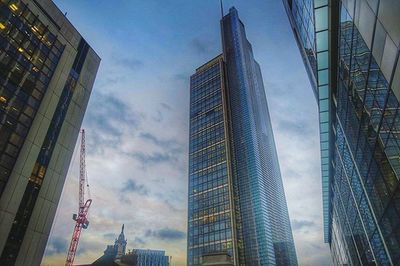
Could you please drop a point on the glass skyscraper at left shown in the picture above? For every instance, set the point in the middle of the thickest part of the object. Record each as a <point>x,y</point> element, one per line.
<point>236,197</point>
<point>351,51</point>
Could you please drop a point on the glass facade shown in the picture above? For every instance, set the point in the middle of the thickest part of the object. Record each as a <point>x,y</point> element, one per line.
<point>362,192</point>
<point>210,212</point>
<point>236,198</point>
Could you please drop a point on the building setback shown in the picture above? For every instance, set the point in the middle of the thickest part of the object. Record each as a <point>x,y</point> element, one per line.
<point>47,71</point>
<point>351,52</point>
<point>236,198</point>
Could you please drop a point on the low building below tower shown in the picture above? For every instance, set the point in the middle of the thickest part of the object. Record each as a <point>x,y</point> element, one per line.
<point>116,255</point>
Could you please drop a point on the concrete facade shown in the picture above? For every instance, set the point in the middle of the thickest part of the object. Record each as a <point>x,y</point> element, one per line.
<point>37,232</point>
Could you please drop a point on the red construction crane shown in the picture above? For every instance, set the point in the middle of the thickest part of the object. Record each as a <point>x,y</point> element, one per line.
<point>81,217</point>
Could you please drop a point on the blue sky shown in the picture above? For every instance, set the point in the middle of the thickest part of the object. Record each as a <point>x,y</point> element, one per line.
<point>137,122</point>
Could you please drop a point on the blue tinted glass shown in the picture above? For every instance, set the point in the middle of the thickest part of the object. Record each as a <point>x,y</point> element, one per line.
<point>322,41</point>
<point>324,116</point>
<point>322,60</point>
<point>323,92</point>
<point>318,3</point>
<point>321,18</point>
<point>323,105</point>
<point>323,77</point>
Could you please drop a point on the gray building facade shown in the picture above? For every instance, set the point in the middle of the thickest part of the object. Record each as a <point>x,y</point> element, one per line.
<point>351,52</point>
<point>236,198</point>
<point>47,71</point>
<point>148,257</point>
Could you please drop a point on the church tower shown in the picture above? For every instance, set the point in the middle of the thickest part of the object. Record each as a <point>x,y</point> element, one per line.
<point>120,244</point>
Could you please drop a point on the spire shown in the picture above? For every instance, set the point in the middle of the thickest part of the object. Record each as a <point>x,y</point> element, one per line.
<point>222,9</point>
<point>120,243</point>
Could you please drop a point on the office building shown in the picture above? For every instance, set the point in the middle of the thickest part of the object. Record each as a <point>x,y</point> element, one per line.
<point>351,53</point>
<point>146,257</point>
<point>47,71</point>
<point>236,198</point>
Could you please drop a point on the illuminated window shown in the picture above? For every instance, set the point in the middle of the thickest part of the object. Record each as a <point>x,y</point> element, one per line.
<point>42,171</point>
<point>14,7</point>
<point>35,29</point>
<point>2,26</point>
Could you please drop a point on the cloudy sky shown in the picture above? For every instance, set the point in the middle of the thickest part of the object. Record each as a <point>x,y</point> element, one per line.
<point>137,122</point>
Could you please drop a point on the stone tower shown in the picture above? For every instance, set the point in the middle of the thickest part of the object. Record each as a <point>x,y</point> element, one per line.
<point>120,244</point>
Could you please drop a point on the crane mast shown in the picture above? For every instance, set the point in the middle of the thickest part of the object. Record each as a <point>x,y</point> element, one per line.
<point>81,221</point>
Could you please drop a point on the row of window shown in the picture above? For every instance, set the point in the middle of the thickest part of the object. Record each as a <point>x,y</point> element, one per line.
<point>22,86</point>
<point>214,183</point>
<point>211,205</point>
<point>217,226</point>
<point>208,174</point>
<point>210,87</point>
<point>206,120</point>
<point>205,104</point>
<point>208,157</point>
<point>21,10</point>
<point>211,237</point>
<point>207,137</point>
<point>207,210</point>
<point>211,72</point>
<point>210,195</point>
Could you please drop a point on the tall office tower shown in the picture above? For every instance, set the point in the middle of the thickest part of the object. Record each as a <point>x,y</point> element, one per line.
<point>351,52</point>
<point>236,198</point>
<point>47,71</point>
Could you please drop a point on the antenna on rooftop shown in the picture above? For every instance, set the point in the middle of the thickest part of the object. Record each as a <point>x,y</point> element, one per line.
<point>222,9</point>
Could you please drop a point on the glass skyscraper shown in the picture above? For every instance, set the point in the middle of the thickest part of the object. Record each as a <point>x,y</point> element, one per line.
<point>351,52</point>
<point>47,71</point>
<point>236,198</point>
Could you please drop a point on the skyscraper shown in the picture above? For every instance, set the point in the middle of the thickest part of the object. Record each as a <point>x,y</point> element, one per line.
<point>236,198</point>
<point>351,52</point>
<point>47,71</point>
